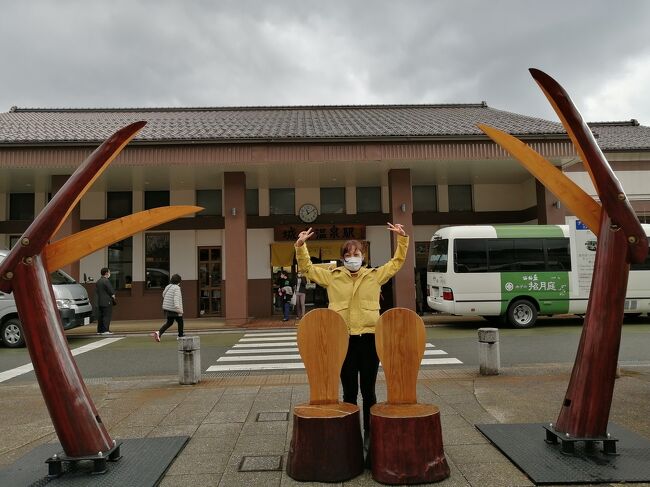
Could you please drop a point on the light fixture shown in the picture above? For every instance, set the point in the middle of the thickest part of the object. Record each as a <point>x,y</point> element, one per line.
<point>557,204</point>
<point>403,207</point>
<point>233,211</point>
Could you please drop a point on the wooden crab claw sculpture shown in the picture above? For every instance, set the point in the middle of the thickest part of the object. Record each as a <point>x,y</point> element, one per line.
<point>621,241</point>
<point>26,272</point>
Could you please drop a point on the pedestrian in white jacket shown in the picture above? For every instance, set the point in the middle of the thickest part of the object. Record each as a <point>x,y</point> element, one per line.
<point>172,307</point>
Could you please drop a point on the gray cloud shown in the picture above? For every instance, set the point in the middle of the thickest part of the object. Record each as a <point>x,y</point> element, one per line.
<point>71,53</point>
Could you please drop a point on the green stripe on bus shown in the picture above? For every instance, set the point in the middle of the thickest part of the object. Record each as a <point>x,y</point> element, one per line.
<point>528,231</point>
<point>549,289</point>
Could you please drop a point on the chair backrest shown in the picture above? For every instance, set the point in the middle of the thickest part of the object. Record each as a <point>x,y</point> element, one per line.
<point>400,342</point>
<point>323,343</point>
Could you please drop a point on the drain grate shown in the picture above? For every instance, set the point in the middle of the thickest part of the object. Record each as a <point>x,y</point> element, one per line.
<point>265,416</point>
<point>265,463</point>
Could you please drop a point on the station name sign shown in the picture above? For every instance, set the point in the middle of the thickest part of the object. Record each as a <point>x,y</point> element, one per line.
<point>321,232</point>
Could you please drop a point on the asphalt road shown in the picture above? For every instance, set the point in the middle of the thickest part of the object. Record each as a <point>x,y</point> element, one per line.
<point>552,341</point>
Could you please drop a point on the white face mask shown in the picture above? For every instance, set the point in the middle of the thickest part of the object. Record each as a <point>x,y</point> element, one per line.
<point>353,264</point>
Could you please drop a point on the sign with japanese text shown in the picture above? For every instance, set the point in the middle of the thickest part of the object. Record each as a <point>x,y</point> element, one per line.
<point>321,232</point>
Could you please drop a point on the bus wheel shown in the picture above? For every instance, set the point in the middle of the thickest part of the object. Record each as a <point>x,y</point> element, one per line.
<point>522,314</point>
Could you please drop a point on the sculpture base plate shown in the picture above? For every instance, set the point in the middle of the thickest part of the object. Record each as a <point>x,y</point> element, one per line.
<point>525,446</point>
<point>143,463</point>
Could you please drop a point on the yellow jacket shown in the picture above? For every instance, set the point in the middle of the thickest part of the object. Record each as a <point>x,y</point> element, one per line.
<point>355,299</point>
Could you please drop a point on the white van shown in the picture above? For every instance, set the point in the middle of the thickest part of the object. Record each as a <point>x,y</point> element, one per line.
<point>71,299</point>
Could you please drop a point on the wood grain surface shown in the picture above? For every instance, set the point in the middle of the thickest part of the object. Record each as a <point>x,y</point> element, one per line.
<point>322,343</point>
<point>400,342</point>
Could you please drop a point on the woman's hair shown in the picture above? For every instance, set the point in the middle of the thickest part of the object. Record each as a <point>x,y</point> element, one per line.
<point>175,279</point>
<point>350,246</point>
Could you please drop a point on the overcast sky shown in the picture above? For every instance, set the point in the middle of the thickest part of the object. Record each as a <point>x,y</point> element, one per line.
<point>137,53</point>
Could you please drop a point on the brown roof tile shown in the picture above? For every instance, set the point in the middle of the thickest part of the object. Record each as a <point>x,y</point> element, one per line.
<point>278,124</point>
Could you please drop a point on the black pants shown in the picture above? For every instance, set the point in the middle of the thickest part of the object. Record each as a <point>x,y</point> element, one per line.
<point>104,318</point>
<point>171,316</point>
<point>360,368</point>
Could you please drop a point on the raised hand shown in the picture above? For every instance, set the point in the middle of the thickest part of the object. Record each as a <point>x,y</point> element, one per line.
<point>303,236</point>
<point>397,228</point>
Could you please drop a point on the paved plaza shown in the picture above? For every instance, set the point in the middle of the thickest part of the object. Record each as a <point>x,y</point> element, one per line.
<point>240,424</point>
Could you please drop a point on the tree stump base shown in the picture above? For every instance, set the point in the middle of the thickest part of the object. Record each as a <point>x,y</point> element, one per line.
<point>406,444</point>
<point>326,444</point>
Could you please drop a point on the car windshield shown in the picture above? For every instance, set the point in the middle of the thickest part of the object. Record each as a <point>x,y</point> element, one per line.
<point>60,277</point>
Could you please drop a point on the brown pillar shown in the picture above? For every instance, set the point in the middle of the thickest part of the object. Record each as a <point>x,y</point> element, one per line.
<point>71,225</point>
<point>234,201</point>
<point>548,212</point>
<point>401,211</point>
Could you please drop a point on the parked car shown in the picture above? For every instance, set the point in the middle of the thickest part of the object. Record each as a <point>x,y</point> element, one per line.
<point>71,299</point>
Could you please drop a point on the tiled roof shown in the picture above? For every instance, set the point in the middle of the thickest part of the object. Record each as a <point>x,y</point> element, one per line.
<point>278,124</point>
<point>616,136</point>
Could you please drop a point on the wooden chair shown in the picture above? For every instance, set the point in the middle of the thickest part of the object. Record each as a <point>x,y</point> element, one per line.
<point>405,437</point>
<point>326,444</point>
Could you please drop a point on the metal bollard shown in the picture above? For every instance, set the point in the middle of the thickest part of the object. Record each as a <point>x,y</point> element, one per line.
<point>489,357</point>
<point>189,360</point>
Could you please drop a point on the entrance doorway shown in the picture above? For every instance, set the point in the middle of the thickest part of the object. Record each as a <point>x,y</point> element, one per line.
<point>210,283</point>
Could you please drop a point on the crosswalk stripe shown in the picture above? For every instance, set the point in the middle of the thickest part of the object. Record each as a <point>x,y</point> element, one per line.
<point>266,366</point>
<point>263,339</point>
<point>435,352</point>
<point>262,350</point>
<point>255,345</point>
<point>288,334</point>
<point>259,357</point>
<point>440,361</point>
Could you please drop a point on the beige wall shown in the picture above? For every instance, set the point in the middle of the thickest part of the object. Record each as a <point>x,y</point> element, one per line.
<point>379,239</point>
<point>183,197</point>
<point>503,197</point>
<point>93,206</point>
<point>258,248</point>
<point>351,200</point>
<point>307,195</point>
<point>636,184</point>
<point>264,201</point>
<point>91,265</point>
<point>40,200</point>
<point>443,197</point>
<point>182,254</point>
<point>423,233</point>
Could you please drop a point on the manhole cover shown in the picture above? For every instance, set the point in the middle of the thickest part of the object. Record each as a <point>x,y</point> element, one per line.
<point>273,416</point>
<point>267,463</point>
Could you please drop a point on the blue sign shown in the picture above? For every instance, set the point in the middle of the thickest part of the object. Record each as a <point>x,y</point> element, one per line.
<point>581,226</point>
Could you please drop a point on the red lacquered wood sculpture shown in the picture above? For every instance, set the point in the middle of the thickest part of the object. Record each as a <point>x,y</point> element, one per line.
<point>621,240</point>
<point>405,437</point>
<point>326,444</point>
<point>26,272</point>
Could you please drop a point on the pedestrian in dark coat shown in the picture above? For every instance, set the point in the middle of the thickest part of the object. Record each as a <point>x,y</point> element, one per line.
<point>105,298</point>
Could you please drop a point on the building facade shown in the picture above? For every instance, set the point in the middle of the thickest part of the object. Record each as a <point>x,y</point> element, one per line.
<point>264,174</point>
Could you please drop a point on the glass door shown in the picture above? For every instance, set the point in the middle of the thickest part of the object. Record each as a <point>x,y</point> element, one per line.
<point>210,303</point>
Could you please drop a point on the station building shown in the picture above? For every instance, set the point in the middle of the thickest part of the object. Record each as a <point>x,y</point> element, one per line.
<point>263,174</point>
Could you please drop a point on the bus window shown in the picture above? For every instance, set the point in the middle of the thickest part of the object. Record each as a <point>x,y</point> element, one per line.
<point>501,255</point>
<point>558,257</point>
<point>470,255</point>
<point>529,255</point>
<point>438,255</point>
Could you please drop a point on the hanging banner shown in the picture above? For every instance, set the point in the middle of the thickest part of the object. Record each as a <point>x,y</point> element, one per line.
<point>321,232</point>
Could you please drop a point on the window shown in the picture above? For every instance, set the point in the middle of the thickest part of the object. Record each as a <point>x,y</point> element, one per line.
<point>460,197</point>
<point>13,240</point>
<point>252,202</point>
<point>118,204</point>
<point>369,199</point>
<point>510,255</point>
<point>558,256</point>
<point>120,262</point>
<point>21,206</point>
<point>438,255</point>
<point>470,255</point>
<point>332,200</point>
<point>210,199</point>
<point>282,201</point>
<point>156,257</point>
<point>425,198</point>
<point>155,199</point>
